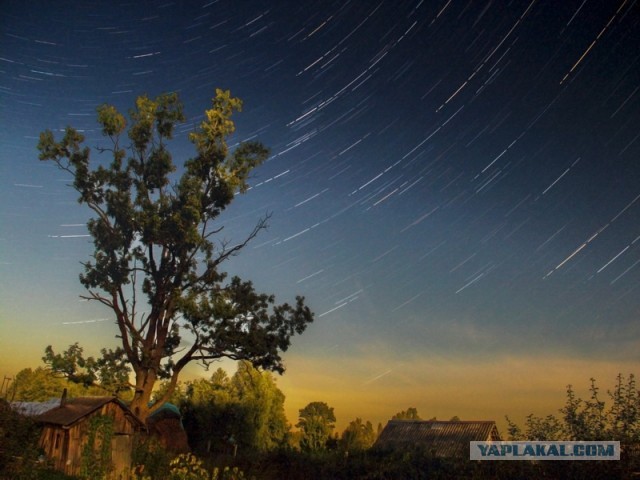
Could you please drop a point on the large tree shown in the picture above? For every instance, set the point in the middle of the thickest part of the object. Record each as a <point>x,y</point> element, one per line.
<point>316,423</point>
<point>358,436</point>
<point>260,404</point>
<point>154,230</point>
<point>246,410</point>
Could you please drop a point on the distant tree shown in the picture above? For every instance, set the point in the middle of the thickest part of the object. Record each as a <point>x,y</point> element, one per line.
<point>209,410</point>
<point>246,409</point>
<point>40,385</point>
<point>358,436</point>
<point>548,428</point>
<point>410,413</point>
<point>177,397</point>
<point>455,418</point>
<point>316,423</point>
<point>261,405</point>
<point>154,232</point>
<point>589,419</point>
<point>623,417</point>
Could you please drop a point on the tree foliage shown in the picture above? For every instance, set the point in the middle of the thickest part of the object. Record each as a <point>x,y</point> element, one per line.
<point>410,413</point>
<point>358,436</point>
<point>18,444</point>
<point>154,232</point>
<point>210,412</point>
<point>589,419</point>
<point>246,410</point>
<point>262,409</point>
<point>316,423</point>
<point>110,372</point>
<point>40,385</point>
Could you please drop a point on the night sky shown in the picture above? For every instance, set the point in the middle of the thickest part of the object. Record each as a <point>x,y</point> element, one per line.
<point>454,185</point>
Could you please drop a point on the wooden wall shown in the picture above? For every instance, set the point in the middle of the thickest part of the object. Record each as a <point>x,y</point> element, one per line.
<point>64,445</point>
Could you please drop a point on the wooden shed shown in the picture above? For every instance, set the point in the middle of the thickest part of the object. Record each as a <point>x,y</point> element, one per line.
<point>441,439</point>
<point>68,427</point>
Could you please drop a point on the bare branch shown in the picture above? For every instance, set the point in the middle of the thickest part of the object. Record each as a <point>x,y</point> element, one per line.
<point>261,225</point>
<point>96,296</point>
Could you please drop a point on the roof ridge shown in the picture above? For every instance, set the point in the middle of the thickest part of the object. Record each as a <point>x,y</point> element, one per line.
<point>409,420</point>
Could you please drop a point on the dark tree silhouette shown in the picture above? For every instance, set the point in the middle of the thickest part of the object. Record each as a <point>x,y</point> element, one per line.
<point>154,234</point>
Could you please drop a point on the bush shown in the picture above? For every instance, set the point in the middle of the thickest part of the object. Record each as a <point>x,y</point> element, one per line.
<point>150,459</point>
<point>152,462</point>
<point>18,444</point>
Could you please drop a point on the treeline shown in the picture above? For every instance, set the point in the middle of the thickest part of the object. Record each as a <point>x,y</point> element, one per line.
<point>237,428</point>
<point>590,419</point>
<point>228,414</point>
<point>245,413</point>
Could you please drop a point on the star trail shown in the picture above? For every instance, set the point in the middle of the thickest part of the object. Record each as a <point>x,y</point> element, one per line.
<point>449,181</point>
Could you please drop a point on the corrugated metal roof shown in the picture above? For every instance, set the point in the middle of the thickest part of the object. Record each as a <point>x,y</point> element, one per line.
<point>442,439</point>
<point>74,409</point>
<point>31,409</point>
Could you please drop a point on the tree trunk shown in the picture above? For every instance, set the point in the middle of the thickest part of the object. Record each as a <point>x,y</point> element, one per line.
<point>145,381</point>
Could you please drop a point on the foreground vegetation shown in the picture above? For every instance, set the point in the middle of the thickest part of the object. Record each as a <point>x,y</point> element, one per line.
<point>296,465</point>
<point>237,430</point>
<point>374,465</point>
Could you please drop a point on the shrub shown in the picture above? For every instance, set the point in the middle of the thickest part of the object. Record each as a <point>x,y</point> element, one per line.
<point>18,444</point>
<point>150,459</point>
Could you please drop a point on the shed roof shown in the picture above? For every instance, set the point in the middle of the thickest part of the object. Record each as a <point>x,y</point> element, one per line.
<point>74,409</point>
<point>166,410</point>
<point>443,439</point>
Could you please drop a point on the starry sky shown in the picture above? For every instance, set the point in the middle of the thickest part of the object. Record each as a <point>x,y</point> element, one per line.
<point>454,185</point>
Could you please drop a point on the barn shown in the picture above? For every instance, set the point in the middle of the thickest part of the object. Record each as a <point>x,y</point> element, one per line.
<point>439,438</point>
<point>76,421</point>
